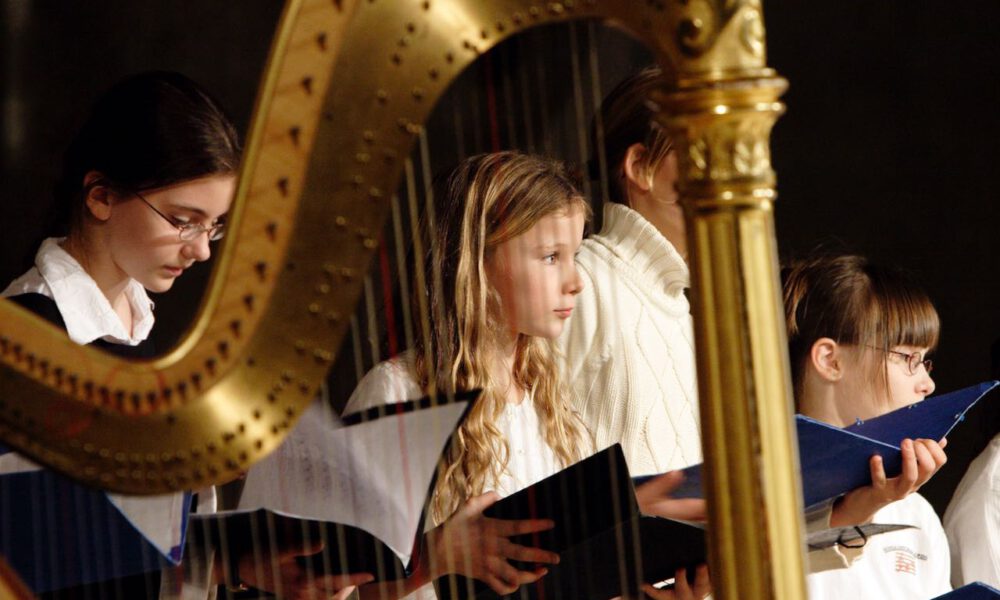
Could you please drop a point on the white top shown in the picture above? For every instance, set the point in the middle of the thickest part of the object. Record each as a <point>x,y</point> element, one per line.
<point>911,564</point>
<point>972,521</point>
<point>531,459</point>
<point>629,348</point>
<point>85,309</point>
<point>88,316</point>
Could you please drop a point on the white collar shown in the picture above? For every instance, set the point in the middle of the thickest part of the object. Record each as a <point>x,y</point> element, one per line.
<point>84,308</point>
<point>643,248</point>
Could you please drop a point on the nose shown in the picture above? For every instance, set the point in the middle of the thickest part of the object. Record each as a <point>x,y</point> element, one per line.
<point>925,385</point>
<point>198,248</point>
<point>574,283</point>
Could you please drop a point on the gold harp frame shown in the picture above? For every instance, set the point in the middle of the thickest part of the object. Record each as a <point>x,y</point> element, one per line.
<point>348,85</point>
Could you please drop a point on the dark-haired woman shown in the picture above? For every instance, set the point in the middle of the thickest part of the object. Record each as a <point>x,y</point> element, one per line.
<point>146,186</point>
<point>858,338</point>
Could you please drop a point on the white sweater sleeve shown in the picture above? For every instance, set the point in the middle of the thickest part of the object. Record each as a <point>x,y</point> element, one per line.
<point>389,382</point>
<point>972,521</point>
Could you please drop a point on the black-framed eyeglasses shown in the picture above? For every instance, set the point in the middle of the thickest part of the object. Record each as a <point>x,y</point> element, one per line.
<point>913,360</point>
<point>188,231</point>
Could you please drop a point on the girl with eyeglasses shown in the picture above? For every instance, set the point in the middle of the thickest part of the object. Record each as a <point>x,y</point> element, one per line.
<point>145,187</point>
<point>858,336</point>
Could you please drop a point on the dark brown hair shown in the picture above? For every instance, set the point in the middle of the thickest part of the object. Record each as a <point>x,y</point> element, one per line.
<point>626,118</point>
<point>148,131</point>
<point>853,301</point>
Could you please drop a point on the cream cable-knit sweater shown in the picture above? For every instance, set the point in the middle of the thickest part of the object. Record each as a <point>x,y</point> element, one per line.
<point>629,355</point>
<point>629,347</point>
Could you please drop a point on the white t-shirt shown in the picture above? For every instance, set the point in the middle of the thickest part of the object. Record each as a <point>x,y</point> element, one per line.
<point>531,459</point>
<point>972,521</point>
<point>910,564</point>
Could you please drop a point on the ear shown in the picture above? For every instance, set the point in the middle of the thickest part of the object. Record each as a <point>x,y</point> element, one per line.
<point>635,167</point>
<point>827,358</point>
<point>98,198</point>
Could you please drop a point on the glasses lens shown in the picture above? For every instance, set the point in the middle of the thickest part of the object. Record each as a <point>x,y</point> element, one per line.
<point>188,232</point>
<point>929,365</point>
<point>216,233</point>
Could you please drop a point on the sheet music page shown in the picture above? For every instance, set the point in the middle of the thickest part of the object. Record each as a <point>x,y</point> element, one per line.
<point>374,475</point>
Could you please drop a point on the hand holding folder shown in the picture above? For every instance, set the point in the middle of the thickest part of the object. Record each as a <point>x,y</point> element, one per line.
<point>835,461</point>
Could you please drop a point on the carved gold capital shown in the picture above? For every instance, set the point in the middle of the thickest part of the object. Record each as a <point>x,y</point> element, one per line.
<point>722,130</point>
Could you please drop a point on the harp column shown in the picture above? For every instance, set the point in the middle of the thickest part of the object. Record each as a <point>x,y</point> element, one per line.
<point>720,110</point>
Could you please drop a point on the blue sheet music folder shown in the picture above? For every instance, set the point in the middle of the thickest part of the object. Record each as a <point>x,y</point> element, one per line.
<point>972,591</point>
<point>56,533</point>
<point>834,461</point>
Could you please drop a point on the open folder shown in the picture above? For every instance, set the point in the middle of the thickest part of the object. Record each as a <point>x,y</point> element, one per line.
<point>835,461</point>
<point>606,546</point>
<point>972,591</point>
<point>359,485</point>
<point>56,533</point>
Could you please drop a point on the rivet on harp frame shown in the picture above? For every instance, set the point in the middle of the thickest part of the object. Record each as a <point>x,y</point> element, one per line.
<point>307,85</point>
<point>321,41</point>
<point>294,132</point>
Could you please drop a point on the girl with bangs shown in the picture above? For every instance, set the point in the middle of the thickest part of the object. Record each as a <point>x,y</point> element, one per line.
<point>858,336</point>
<point>501,282</point>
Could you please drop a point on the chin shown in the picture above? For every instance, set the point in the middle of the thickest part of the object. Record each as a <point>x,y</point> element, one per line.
<point>158,285</point>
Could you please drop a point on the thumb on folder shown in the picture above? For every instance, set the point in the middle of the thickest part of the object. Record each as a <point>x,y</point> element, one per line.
<point>921,459</point>
<point>654,499</point>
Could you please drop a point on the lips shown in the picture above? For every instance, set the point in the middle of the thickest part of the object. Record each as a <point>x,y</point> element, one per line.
<point>564,313</point>
<point>174,271</point>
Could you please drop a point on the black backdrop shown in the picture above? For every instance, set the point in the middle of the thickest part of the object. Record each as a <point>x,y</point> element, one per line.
<point>888,146</point>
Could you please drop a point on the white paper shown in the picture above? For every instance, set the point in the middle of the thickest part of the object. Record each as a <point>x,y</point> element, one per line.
<point>374,476</point>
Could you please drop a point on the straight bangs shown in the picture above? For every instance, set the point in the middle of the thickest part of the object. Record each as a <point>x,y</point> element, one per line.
<point>908,317</point>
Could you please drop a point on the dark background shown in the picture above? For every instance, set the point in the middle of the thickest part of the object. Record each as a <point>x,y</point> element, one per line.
<point>888,146</point>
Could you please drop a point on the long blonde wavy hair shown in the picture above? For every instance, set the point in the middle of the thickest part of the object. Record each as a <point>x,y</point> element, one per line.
<point>486,200</point>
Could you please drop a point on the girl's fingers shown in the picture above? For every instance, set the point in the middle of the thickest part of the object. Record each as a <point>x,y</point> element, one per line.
<point>656,594</point>
<point>702,582</point>
<point>681,587</point>
<point>908,477</point>
<point>480,503</point>
<point>499,586</point>
<point>877,472</point>
<point>527,553</point>
<point>508,528</point>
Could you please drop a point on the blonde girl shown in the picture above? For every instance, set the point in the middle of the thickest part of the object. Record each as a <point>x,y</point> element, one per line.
<point>859,335</point>
<point>501,282</point>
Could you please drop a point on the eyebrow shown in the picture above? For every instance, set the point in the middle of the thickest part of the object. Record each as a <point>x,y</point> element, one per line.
<point>195,210</point>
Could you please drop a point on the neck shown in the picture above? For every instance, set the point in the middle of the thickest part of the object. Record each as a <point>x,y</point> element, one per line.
<point>819,400</point>
<point>109,278</point>
<point>667,217</point>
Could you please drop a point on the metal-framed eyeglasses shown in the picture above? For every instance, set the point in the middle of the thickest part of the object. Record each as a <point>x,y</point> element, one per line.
<point>188,231</point>
<point>913,360</point>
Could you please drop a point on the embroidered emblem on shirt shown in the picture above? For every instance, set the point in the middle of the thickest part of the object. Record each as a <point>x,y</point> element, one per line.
<point>904,559</point>
<point>905,563</point>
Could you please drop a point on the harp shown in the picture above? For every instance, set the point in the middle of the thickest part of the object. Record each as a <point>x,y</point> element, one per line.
<point>347,90</point>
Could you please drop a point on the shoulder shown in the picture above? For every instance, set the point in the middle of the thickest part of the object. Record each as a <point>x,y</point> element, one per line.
<point>41,305</point>
<point>388,382</point>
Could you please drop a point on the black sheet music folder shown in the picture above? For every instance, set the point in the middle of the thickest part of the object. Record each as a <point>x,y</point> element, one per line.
<point>606,547</point>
